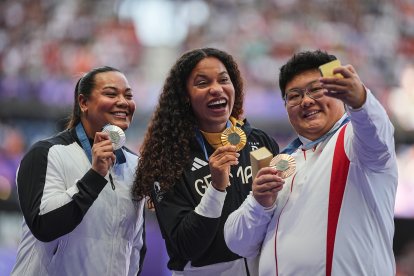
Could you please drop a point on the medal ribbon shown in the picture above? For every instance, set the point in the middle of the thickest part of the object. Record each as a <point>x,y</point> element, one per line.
<point>84,140</point>
<point>236,122</point>
<point>210,137</point>
<point>86,146</point>
<point>295,144</point>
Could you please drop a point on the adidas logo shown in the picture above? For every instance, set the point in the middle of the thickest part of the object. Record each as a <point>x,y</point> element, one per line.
<point>198,163</point>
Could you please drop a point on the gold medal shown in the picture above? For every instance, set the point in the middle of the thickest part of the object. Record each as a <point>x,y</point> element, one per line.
<point>285,164</point>
<point>234,136</point>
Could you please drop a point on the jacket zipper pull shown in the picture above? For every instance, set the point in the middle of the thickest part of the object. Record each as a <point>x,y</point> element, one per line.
<point>112,181</point>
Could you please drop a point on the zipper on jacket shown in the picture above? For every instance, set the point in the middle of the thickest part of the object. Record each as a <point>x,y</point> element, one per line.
<point>112,181</point>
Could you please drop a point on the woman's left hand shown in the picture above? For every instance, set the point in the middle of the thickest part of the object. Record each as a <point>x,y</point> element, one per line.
<point>220,162</point>
<point>102,153</point>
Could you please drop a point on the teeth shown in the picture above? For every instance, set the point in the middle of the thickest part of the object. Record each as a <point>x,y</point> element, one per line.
<point>311,113</point>
<point>120,113</point>
<point>222,101</point>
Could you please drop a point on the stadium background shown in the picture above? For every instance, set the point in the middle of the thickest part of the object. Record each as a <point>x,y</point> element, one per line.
<point>46,45</point>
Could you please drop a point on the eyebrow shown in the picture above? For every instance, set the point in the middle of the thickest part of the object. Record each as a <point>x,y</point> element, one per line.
<point>115,88</point>
<point>202,74</point>
<point>302,88</point>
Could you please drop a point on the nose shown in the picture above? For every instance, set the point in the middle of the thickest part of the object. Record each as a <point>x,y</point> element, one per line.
<point>215,88</point>
<point>306,100</point>
<point>122,101</point>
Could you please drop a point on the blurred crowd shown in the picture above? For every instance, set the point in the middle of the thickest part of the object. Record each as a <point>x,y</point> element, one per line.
<point>45,45</point>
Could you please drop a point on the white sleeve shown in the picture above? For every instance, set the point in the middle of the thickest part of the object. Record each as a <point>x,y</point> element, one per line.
<point>245,228</point>
<point>137,247</point>
<point>373,135</point>
<point>211,203</point>
<point>55,194</point>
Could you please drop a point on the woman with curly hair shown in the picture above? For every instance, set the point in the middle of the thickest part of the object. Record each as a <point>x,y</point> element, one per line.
<point>193,176</point>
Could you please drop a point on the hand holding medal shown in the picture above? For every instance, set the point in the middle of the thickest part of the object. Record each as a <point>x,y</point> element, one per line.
<point>266,184</point>
<point>117,137</point>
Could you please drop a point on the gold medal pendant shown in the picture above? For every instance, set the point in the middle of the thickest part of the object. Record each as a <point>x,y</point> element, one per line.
<point>285,164</point>
<point>234,136</point>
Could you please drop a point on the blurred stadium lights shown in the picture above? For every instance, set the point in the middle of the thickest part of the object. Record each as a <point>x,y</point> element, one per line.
<point>162,22</point>
<point>401,101</point>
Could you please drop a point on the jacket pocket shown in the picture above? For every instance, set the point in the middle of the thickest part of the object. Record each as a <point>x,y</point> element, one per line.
<point>56,255</point>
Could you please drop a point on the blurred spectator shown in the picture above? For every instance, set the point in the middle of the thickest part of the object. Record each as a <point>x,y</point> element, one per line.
<point>12,147</point>
<point>401,101</point>
<point>405,261</point>
<point>404,202</point>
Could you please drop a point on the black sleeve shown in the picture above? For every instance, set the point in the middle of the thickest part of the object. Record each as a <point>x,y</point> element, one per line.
<point>186,232</point>
<point>143,250</point>
<point>274,147</point>
<point>31,181</point>
<point>269,142</point>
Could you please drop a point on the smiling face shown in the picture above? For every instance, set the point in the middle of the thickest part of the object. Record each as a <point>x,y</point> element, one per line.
<point>110,102</point>
<point>313,118</point>
<point>211,94</point>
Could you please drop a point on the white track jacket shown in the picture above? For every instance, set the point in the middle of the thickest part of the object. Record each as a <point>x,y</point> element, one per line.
<point>75,223</point>
<point>334,215</point>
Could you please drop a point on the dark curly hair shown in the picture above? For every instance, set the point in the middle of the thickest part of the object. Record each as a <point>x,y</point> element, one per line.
<point>299,63</point>
<point>172,130</point>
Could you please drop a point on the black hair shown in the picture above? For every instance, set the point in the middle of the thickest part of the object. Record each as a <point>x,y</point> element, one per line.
<point>85,86</point>
<point>172,129</point>
<point>301,62</point>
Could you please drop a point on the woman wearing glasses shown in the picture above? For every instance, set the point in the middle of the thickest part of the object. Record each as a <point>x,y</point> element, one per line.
<point>334,215</point>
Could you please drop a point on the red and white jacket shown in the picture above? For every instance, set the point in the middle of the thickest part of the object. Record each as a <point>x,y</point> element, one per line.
<point>334,215</point>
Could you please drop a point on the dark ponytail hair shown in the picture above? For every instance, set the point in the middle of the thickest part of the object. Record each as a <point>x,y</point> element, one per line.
<point>85,86</point>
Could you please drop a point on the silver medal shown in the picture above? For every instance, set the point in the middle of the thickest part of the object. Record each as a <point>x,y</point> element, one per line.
<point>116,135</point>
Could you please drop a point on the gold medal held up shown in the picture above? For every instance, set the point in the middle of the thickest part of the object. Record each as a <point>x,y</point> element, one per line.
<point>234,136</point>
<point>285,164</point>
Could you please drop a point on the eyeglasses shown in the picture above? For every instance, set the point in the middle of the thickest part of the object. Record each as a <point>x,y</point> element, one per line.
<point>294,96</point>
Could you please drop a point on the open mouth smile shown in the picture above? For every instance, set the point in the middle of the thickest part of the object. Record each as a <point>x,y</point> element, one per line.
<point>217,104</point>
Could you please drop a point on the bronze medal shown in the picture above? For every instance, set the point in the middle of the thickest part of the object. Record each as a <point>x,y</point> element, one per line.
<point>234,136</point>
<point>285,164</point>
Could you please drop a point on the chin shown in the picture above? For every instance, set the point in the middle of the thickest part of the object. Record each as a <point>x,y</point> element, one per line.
<point>124,125</point>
